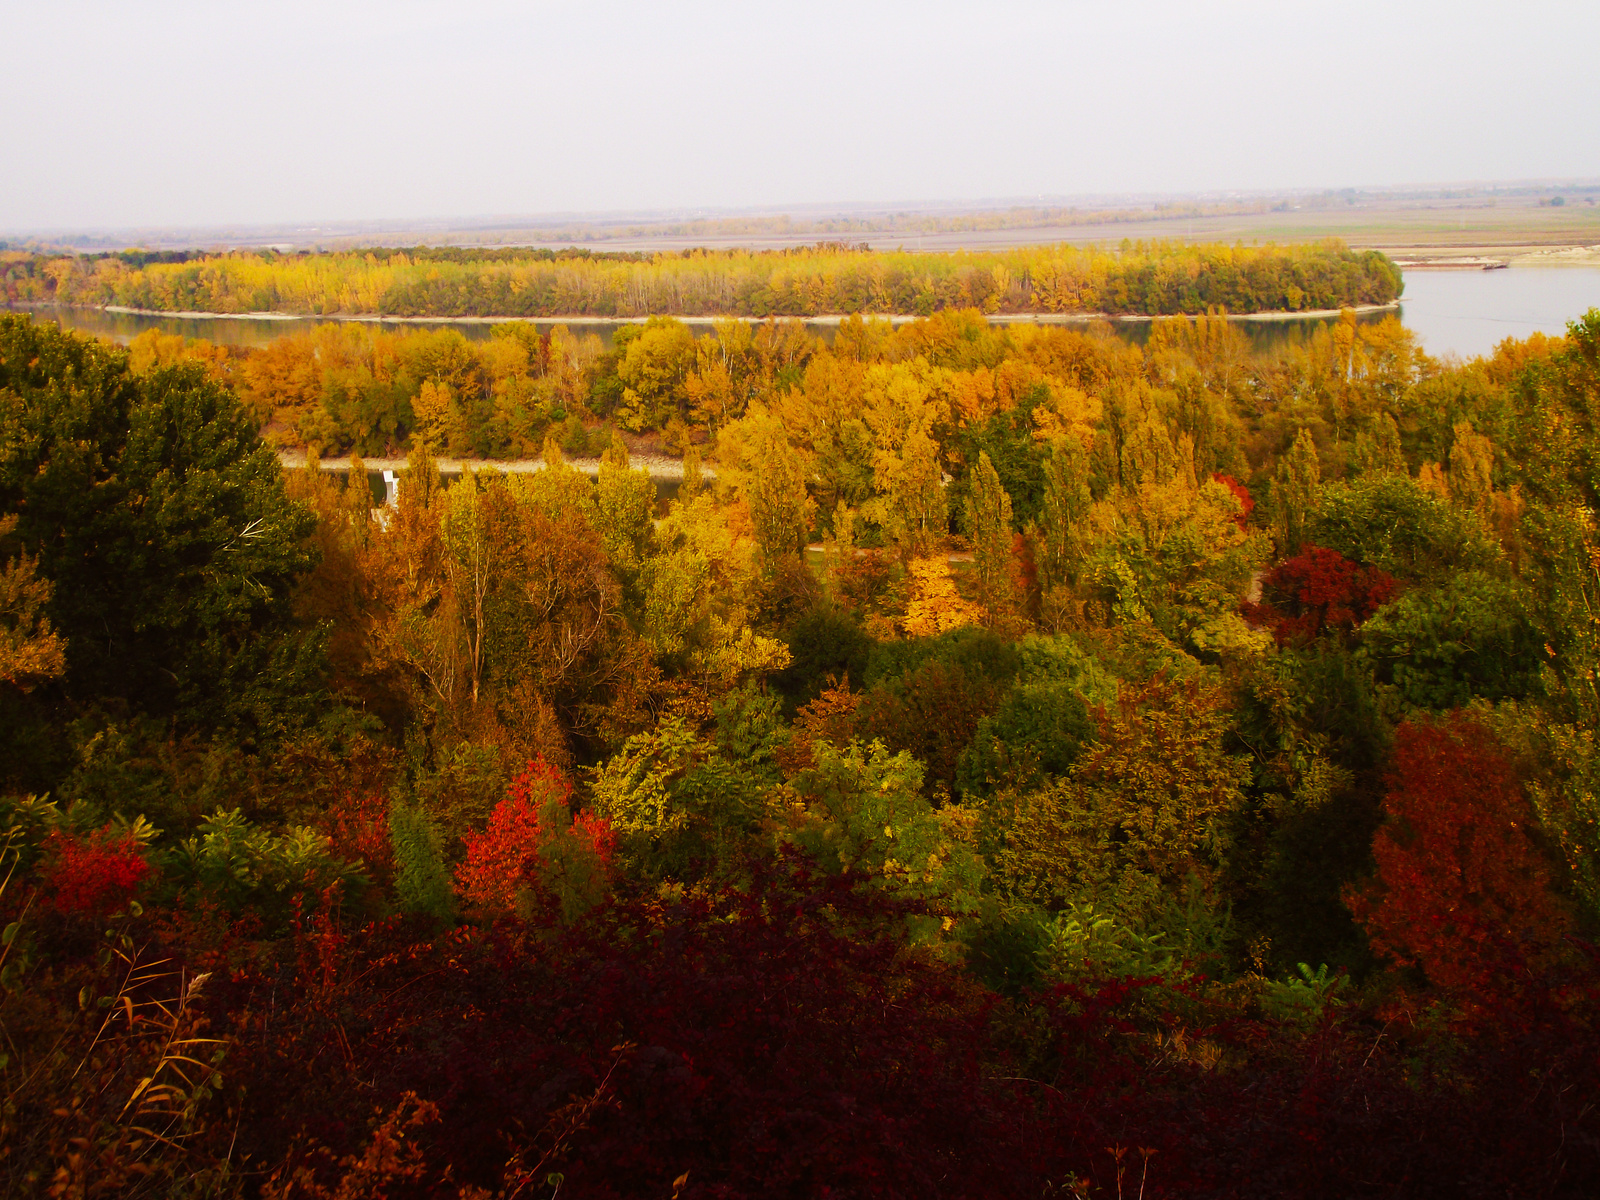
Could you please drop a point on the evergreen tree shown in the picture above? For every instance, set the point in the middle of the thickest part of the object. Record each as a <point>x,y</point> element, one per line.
<point>1295,493</point>
<point>989,523</point>
<point>422,883</point>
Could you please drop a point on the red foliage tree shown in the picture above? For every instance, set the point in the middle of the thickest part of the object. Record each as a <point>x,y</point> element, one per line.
<point>1246,500</point>
<point>1025,572</point>
<point>1461,891</point>
<point>1319,590</point>
<point>357,826</point>
<point>94,875</point>
<point>509,855</point>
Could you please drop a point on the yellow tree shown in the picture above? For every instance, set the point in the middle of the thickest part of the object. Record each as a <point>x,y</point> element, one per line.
<point>414,622</point>
<point>1472,469</point>
<point>558,488</point>
<point>702,588</point>
<point>693,478</point>
<point>720,384</point>
<point>30,650</point>
<point>625,501</point>
<point>935,606</point>
<point>655,362</point>
<point>902,412</point>
<point>1066,505</point>
<point>824,417</point>
<point>473,509</point>
<point>434,408</point>
<point>769,474</point>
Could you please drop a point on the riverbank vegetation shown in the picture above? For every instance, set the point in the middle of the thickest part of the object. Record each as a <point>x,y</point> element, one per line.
<point>1175,773</point>
<point>1148,278</point>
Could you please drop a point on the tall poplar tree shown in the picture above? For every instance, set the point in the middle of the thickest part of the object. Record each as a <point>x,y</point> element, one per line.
<point>989,525</point>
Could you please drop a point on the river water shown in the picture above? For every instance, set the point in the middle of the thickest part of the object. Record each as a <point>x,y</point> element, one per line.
<point>1454,312</point>
<point>1468,312</point>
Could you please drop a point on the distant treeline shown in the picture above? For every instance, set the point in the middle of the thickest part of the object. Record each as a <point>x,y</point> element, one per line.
<point>1149,278</point>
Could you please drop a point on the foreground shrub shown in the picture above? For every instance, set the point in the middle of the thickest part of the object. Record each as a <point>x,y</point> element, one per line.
<point>92,875</point>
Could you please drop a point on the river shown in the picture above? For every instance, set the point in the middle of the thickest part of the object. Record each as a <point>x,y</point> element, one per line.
<point>1454,312</point>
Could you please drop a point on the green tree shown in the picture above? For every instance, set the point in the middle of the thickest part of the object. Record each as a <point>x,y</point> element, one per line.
<point>1295,494</point>
<point>422,882</point>
<point>1391,522</point>
<point>1376,450</point>
<point>162,524</point>
<point>1471,638</point>
<point>865,812</point>
<point>989,525</point>
<point>1144,809</point>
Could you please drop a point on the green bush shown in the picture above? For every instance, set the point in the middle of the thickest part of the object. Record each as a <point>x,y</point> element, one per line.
<point>244,866</point>
<point>422,882</point>
<point>1039,730</point>
<point>1440,648</point>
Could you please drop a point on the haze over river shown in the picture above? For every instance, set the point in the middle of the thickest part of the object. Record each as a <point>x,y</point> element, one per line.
<point>1463,312</point>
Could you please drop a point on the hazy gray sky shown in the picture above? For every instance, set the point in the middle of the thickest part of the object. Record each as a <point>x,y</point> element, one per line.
<point>179,112</point>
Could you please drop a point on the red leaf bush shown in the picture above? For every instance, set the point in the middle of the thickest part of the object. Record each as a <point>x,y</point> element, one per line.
<point>356,824</point>
<point>771,1039</point>
<point>94,875</point>
<point>533,841</point>
<point>1319,591</point>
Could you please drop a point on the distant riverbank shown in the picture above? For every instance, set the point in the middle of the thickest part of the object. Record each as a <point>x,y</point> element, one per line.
<point>658,467</point>
<point>828,319</point>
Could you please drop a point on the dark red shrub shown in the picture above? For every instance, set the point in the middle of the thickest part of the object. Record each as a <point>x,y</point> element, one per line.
<point>761,1039</point>
<point>863,581</point>
<point>1319,591</point>
<point>93,875</point>
<point>356,824</point>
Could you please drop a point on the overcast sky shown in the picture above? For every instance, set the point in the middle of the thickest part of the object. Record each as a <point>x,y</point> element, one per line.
<point>194,112</point>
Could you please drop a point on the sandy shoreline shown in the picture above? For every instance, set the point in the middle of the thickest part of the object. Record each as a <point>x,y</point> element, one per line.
<point>826,319</point>
<point>1490,257</point>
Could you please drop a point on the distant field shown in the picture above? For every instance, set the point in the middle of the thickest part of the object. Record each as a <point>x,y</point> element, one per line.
<point>1506,221</point>
<point>1432,228</point>
<point>1438,229</point>
<point>1441,228</point>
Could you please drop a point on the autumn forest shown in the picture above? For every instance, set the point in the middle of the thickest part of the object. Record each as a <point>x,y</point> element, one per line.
<point>1010,759</point>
